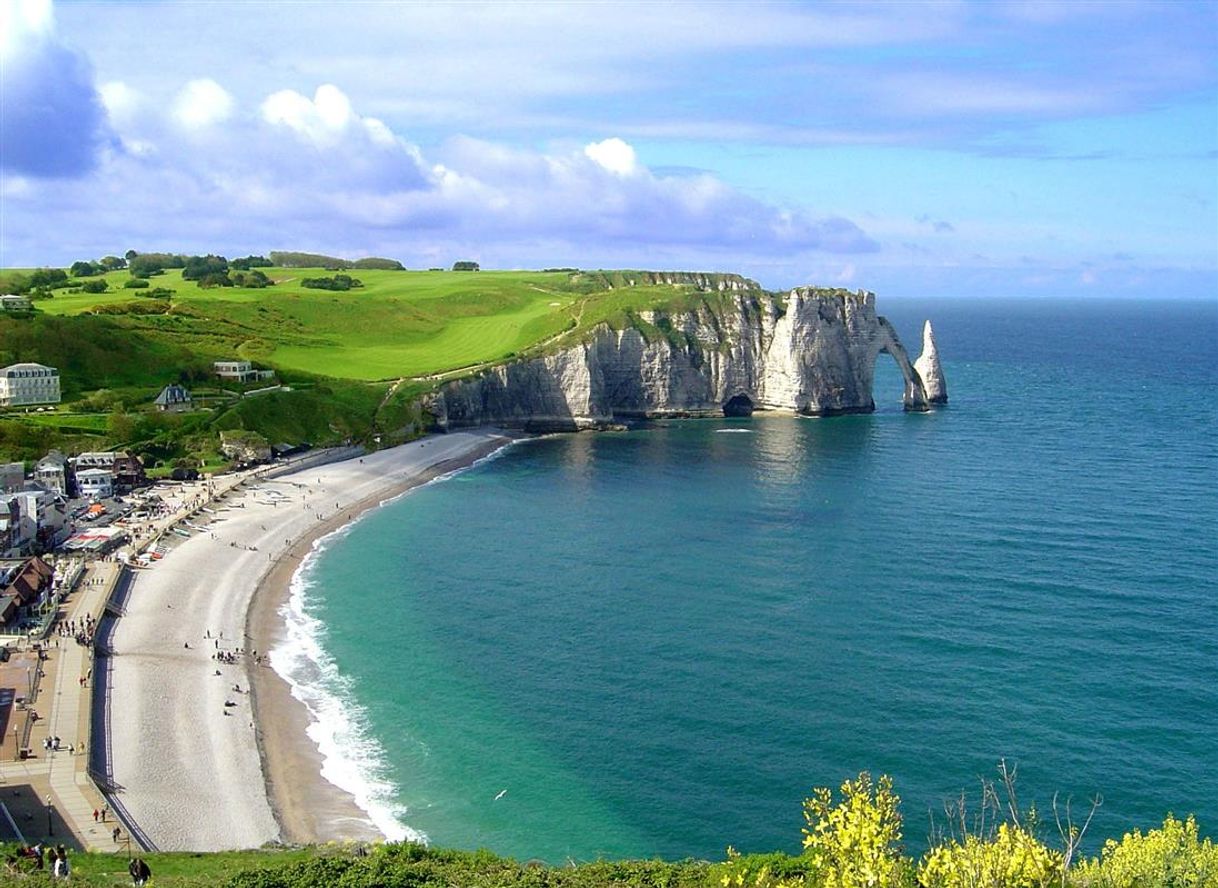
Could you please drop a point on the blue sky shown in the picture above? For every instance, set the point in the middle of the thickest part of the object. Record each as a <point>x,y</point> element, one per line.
<point>1024,148</point>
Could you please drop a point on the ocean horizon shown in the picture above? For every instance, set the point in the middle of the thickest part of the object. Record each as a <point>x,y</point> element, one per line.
<point>658,642</point>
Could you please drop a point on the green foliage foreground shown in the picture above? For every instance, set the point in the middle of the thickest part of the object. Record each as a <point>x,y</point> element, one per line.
<point>854,842</point>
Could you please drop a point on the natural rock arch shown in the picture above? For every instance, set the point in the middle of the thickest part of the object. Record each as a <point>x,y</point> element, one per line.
<point>914,397</point>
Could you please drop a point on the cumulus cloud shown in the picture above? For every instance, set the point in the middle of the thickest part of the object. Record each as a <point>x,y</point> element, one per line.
<point>614,155</point>
<point>53,122</point>
<point>201,104</point>
<point>313,170</point>
<point>325,120</point>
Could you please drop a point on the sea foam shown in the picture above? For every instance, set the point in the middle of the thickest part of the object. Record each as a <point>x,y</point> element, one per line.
<point>352,758</point>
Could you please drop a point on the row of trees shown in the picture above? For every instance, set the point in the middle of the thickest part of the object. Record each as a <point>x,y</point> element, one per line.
<point>294,259</point>
<point>84,268</point>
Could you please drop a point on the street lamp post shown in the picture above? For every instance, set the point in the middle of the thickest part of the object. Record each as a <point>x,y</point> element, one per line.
<point>50,822</point>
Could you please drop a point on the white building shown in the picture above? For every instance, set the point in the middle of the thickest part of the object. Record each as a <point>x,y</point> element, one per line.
<point>33,519</point>
<point>240,371</point>
<point>9,302</point>
<point>95,483</point>
<point>23,384</point>
<point>52,472</point>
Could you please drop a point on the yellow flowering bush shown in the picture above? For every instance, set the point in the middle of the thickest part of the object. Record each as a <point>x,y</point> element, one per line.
<point>857,842</point>
<point>1171,857</point>
<point>1012,858</point>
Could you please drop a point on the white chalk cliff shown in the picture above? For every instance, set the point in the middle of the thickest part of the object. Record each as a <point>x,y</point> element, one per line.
<point>930,369</point>
<point>810,351</point>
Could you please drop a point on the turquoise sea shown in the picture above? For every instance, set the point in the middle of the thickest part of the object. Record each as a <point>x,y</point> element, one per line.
<point>657,642</point>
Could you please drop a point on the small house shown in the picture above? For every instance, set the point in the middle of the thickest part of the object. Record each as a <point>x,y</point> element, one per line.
<point>174,399</point>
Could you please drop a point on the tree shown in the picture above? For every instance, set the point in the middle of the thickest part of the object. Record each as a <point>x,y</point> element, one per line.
<point>145,266</point>
<point>198,267</point>
<point>98,286</point>
<point>113,263</point>
<point>83,269</point>
<point>48,278</point>
<point>129,255</point>
<point>249,262</point>
<point>214,279</point>
<point>465,265</point>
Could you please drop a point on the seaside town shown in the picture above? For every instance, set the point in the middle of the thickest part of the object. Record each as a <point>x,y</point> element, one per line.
<point>74,530</point>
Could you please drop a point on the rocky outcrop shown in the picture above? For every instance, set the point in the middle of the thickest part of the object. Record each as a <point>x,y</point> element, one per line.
<point>809,351</point>
<point>930,369</point>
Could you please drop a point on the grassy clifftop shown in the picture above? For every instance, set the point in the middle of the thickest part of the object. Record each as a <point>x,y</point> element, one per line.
<point>355,360</point>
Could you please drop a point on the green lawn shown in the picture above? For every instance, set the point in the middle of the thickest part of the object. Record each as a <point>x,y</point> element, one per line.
<point>336,350</point>
<point>397,324</point>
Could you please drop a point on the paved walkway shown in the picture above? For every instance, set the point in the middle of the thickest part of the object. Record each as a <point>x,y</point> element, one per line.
<point>51,793</point>
<point>60,776</point>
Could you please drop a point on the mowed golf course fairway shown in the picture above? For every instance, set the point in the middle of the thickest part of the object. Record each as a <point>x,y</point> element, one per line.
<point>398,324</point>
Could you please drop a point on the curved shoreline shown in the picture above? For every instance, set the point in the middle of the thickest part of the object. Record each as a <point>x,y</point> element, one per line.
<point>307,806</point>
<point>199,768</point>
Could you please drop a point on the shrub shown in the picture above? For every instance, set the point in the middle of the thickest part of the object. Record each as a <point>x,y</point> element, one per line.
<point>255,280</point>
<point>1171,857</point>
<point>97,286</point>
<point>1012,858</point>
<point>215,279</point>
<point>136,284</point>
<point>338,282</point>
<point>857,842</point>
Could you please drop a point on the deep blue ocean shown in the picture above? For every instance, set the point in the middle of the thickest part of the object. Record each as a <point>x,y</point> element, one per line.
<point>657,642</point>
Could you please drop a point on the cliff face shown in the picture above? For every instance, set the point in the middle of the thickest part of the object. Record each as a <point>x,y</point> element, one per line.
<point>811,352</point>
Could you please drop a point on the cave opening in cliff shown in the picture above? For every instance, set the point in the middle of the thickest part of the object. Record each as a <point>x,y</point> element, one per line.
<point>739,405</point>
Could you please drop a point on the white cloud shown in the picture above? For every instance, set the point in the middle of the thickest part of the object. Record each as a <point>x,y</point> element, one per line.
<point>121,102</point>
<point>307,171</point>
<point>614,155</point>
<point>324,120</point>
<point>24,23</point>
<point>201,104</point>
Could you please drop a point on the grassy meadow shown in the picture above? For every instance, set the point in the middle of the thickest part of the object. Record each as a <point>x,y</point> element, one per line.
<point>398,324</point>
<point>355,361</point>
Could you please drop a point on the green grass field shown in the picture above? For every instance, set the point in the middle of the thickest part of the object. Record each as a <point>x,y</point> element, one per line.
<point>118,348</point>
<point>398,324</point>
